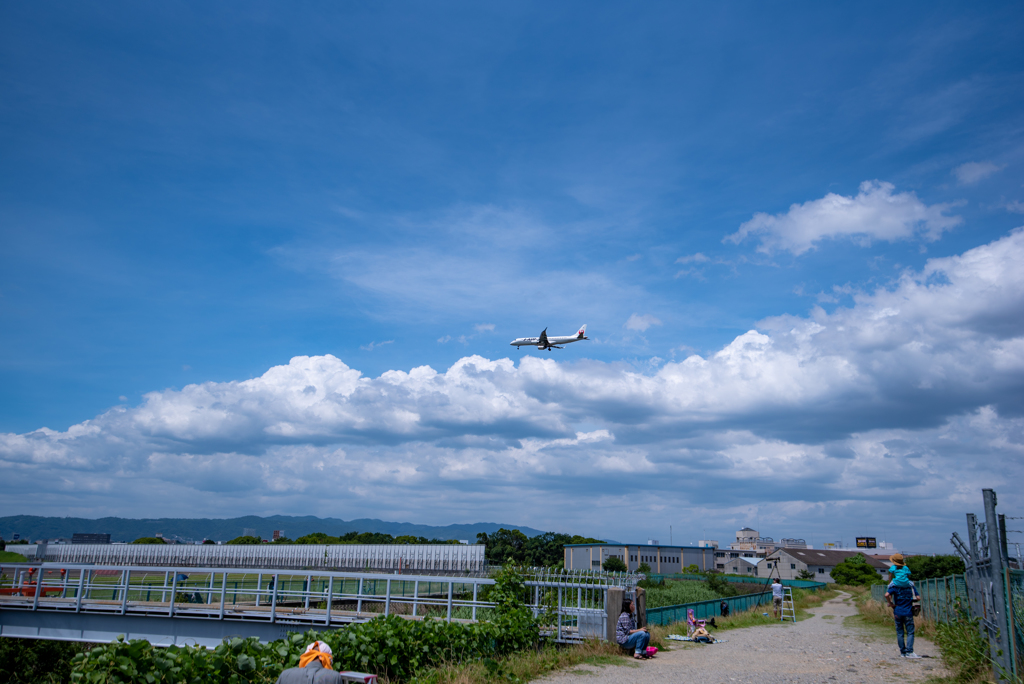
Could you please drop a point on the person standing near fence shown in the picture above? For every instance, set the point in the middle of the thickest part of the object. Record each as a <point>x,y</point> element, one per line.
<point>901,600</point>
<point>778,593</point>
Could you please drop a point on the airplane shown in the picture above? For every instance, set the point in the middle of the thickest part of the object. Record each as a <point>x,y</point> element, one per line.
<point>545,342</point>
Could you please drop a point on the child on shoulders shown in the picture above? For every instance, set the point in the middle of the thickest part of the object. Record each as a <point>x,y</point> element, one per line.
<point>899,572</point>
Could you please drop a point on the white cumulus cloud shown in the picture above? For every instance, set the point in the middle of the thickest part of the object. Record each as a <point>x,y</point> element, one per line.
<point>641,322</point>
<point>972,173</point>
<point>875,213</point>
<point>890,413</point>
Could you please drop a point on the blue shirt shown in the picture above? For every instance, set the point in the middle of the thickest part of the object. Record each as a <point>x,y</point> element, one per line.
<point>903,601</point>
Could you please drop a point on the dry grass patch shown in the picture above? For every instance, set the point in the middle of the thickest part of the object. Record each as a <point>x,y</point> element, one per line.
<point>527,665</point>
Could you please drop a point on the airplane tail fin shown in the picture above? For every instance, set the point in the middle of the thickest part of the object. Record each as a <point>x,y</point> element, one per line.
<point>581,335</point>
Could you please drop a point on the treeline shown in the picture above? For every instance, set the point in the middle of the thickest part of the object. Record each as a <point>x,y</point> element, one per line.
<point>544,550</point>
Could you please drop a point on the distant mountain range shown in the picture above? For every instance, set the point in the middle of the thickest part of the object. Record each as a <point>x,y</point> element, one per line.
<point>34,527</point>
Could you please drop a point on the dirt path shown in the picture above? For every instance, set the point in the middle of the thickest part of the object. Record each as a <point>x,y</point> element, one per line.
<point>823,649</point>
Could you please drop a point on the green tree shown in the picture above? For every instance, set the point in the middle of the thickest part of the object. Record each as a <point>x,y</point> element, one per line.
<point>805,574</point>
<point>208,541</point>
<point>245,540</point>
<point>615,564</point>
<point>504,546</point>
<point>316,538</point>
<point>364,538</point>
<point>855,571</point>
<point>644,568</point>
<point>929,567</point>
<point>692,569</point>
<point>718,584</point>
<point>410,539</point>
<point>149,540</point>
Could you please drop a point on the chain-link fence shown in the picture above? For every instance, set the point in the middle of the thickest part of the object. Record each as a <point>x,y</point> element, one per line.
<point>1015,604</point>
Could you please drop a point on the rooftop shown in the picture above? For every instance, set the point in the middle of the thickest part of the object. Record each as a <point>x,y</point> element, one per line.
<point>645,544</point>
<point>825,557</point>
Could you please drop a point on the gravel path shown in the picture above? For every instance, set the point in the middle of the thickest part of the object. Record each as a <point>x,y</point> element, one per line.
<point>819,649</point>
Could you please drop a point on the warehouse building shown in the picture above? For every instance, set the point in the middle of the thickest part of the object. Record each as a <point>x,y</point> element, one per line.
<point>663,559</point>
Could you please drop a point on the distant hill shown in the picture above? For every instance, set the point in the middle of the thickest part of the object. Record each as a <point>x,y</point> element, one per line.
<point>33,527</point>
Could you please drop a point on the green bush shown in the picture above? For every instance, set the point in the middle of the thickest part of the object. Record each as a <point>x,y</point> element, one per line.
<point>855,571</point>
<point>40,662</point>
<point>149,540</point>
<point>615,564</point>
<point>721,586</point>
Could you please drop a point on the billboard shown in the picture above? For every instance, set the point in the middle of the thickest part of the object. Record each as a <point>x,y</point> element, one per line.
<point>866,543</point>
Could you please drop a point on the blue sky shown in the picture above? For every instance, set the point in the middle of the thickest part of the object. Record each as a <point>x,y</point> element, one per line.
<point>191,197</point>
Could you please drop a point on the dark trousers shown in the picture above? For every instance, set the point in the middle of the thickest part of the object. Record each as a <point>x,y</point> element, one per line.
<point>905,623</point>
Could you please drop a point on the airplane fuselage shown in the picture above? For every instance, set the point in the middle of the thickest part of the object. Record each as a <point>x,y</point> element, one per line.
<point>545,342</point>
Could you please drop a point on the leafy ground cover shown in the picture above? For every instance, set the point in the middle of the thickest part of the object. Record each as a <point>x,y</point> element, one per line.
<point>28,661</point>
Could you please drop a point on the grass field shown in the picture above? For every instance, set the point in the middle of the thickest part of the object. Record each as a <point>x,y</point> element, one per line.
<point>11,557</point>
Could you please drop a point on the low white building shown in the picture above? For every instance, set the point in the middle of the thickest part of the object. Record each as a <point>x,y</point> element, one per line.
<point>742,565</point>
<point>787,564</point>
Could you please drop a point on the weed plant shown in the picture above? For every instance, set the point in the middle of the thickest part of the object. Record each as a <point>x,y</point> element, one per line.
<point>676,592</point>
<point>964,650</point>
<point>526,665</point>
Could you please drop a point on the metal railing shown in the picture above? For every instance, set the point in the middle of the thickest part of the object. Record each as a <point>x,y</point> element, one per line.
<point>570,605</point>
<point>431,558</point>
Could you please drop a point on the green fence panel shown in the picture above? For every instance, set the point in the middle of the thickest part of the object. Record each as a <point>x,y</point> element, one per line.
<point>1015,603</point>
<point>702,610</point>
<point>799,584</point>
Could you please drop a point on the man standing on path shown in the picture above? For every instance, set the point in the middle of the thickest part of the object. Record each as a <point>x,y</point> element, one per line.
<point>777,594</point>
<point>901,600</point>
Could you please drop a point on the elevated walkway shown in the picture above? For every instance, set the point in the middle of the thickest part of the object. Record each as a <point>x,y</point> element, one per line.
<point>177,605</point>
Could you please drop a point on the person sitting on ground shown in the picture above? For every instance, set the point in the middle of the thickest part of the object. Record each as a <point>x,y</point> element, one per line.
<point>899,572</point>
<point>627,633</point>
<point>777,593</point>
<point>314,667</point>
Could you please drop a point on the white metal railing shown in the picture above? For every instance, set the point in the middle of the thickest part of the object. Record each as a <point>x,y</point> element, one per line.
<point>571,605</point>
<point>402,557</point>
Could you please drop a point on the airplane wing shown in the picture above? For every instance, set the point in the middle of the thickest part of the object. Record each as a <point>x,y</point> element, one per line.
<point>543,338</point>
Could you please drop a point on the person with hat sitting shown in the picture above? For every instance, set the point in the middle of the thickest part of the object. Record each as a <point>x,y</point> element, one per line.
<point>314,667</point>
<point>899,572</point>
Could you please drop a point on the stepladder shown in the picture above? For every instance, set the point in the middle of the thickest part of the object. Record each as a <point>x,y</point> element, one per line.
<point>788,608</point>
